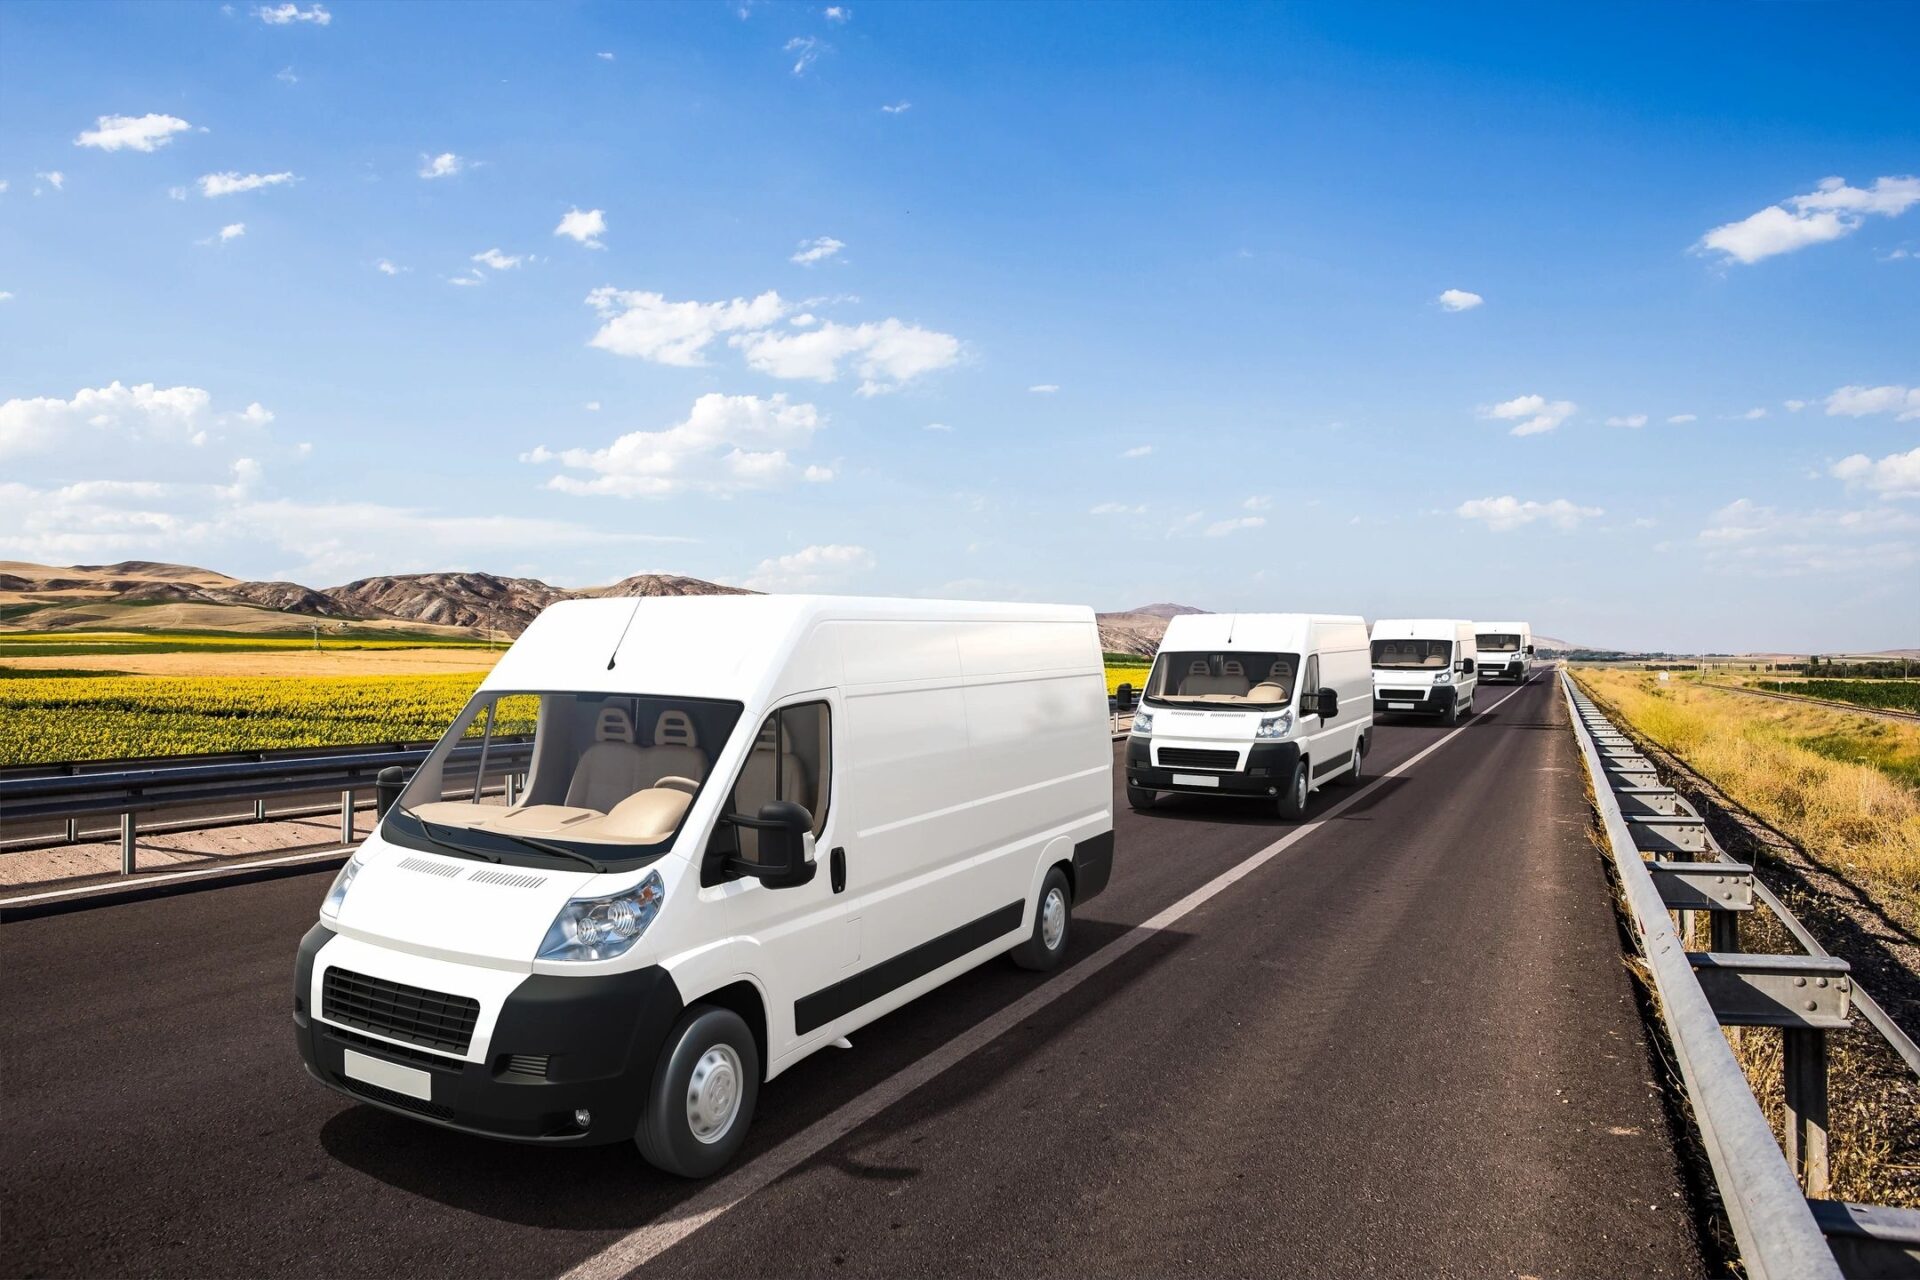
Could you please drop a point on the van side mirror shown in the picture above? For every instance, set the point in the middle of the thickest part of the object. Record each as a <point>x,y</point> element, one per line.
<point>1464,666</point>
<point>785,845</point>
<point>1123,698</point>
<point>1325,703</point>
<point>1529,651</point>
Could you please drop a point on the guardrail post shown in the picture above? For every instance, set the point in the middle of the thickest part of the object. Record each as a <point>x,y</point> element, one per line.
<point>511,778</point>
<point>346,817</point>
<point>126,844</point>
<point>1804,1054</point>
<point>259,810</point>
<point>1724,930</point>
<point>73,831</point>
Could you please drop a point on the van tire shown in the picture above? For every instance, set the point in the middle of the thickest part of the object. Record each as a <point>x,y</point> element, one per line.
<point>717,1043</point>
<point>1293,801</point>
<point>1141,799</point>
<point>1350,777</point>
<point>1053,926</point>
<point>1453,713</point>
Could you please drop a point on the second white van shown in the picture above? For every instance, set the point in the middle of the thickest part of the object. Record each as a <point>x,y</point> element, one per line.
<point>1506,650</point>
<point>1273,705</point>
<point>741,828</point>
<point>1424,666</point>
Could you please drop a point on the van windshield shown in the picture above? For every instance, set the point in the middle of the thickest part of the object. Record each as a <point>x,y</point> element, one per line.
<point>535,778</point>
<point>1500,642</point>
<point>1407,655</point>
<point>1235,677</point>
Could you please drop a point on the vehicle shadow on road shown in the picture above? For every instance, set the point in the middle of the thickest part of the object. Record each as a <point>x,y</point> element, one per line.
<point>609,1188</point>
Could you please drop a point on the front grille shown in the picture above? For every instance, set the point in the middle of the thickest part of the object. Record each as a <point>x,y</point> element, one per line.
<point>1198,758</point>
<point>1402,695</point>
<point>385,1049</point>
<point>533,1065</point>
<point>413,1014</point>
<point>405,1101</point>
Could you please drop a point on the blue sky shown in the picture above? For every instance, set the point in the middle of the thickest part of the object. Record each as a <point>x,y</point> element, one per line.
<point>1083,303</point>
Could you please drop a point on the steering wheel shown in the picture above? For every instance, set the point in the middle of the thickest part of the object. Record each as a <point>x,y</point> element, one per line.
<point>678,783</point>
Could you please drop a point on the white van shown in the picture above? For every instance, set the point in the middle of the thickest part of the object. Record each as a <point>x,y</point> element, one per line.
<point>1506,650</point>
<point>748,825</point>
<point>1252,704</point>
<point>1424,666</point>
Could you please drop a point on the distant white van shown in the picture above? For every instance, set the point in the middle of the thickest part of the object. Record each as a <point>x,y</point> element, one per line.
<point>1424,667</point>
<point>749,826</point>
<point>1506,650</point>
<point>1252,704</point>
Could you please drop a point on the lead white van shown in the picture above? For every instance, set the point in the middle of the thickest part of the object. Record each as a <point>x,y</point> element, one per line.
<point>1424,667</point>
<point>1506,650</point>
<point>1252,704</point>
<point>744,827</point>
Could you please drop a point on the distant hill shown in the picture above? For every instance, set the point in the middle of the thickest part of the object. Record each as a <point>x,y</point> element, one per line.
<point>1139,630</point>
<point>141,595</point>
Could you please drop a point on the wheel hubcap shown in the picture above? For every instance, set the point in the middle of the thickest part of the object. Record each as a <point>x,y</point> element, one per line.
<point>713,1093</point>
<point>1053,919</point>
<point>1300,788</point>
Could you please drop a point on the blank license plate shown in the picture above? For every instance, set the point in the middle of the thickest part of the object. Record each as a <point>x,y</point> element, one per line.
<point>1195,780</point>
<point>1400,706</point>
<point>390,1075</point>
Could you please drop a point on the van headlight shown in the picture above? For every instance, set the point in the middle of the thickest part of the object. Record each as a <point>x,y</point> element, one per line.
<point>330,905</point>
<point>602,928</point>
<point>1275,726</point>
<point>1143,724</point>
<point>1443,677</point>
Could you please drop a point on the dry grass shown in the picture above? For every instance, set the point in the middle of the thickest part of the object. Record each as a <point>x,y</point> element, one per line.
<point>1833,782</point>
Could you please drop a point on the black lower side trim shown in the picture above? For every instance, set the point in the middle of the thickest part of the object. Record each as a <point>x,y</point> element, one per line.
<point>815,1011</point>
<point>601,1035</point>
<point>1092,866</point>
<point>1321,768</point>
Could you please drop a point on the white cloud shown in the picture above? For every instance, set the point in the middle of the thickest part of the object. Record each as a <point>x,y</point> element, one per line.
<point>837,13</point>
<point>648,326</point>
<point>232,231</point>
<point>1744,536</point>
<point>591,406</point>
<point>3,186</point>
<point>1861,402</point>
<point>473,278</point>
<point>1138,451</point>
<point>176,193</point>
<point>6,295</point>
<point>280,15</point>
<point>285,75</point>
<point>817,249</point>
<point>895,108</point>
<point>444,165</point>
<point>1681,418</point>
<point>1507,513</point>
<point>887,354</point>
<point>1459,300</point>
<point>1628,420</point>
<point>605,56</point>
<point>1221,528</point>
<point>727,444</point>
<point>1531,415</point>
<point>1751,415</point>
<point>1895,476</point>
<point>811,569</point>
<point>386,268</point>
<point>1259,502</point>
<point>585,227</point>
<point>53,178</point>
<point>1794,406</point>
<point>1832,210</point>
<point>499,261</point>
<point>805,51</point>
<point>936,426</point>
<point>78,427</point>
<point>1044,388</point>
<point>1116,509</point>
<point>226,184</point>
<point>132,133</point>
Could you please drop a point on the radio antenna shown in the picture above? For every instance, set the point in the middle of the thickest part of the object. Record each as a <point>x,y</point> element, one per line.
<point>612,657</point>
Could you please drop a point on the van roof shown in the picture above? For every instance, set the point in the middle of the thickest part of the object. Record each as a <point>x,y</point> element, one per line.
<point>708,646</point>
<point>1418,628</point>
<point>1260,632</point>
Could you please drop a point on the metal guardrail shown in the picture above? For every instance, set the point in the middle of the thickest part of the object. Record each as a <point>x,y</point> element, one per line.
<point>77,794</point>
<point>1668,862</point>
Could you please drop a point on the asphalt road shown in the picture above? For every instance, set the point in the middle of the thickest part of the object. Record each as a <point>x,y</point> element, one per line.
<point>1405,1044</point>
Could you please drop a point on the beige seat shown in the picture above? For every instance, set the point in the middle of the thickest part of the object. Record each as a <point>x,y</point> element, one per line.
<point>675,752</point>
<point>1276,687</point>
<point>1434,660</point>
<point>610,770</point>
<point>756,786</point>
<point>1232,679</point>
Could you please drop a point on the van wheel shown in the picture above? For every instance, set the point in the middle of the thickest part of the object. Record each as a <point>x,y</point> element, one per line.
<point>702,1096</point>
<point>1293,801</point>
<point>1052,922</point>
<point>1453,712</point>
<point>1351,777</point>
<point>1140,798</point>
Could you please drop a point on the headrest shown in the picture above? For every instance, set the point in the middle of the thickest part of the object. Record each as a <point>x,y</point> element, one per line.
<point>1279,673</point>
<point>1198,667</point>
<point>1232,667</point>
<point>674,729</point>
<point>614,725</point>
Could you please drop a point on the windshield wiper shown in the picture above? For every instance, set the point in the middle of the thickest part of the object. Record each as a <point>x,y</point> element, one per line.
<point>558,850</point>
<point>464,850</point>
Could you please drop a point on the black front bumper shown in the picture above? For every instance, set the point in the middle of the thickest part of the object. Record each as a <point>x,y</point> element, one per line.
<point>1269,768</point>
<point>601,1036</point>
<point>1514,672</point>
<point>1438,702</point>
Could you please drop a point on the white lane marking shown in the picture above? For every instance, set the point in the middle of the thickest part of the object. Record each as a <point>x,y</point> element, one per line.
<point>168,877</point>
<point>644,1244</point>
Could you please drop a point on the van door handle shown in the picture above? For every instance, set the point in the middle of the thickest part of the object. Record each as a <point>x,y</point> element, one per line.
<point>837,869</point>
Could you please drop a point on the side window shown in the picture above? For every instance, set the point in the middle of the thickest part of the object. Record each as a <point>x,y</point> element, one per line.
<point>791,759</point>
<point>1310,682</point>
